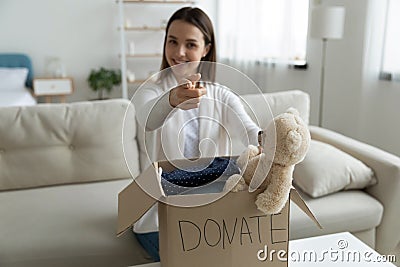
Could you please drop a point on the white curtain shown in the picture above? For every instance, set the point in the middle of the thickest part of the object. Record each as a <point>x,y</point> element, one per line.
<point>252,31</point>
<point>391,52</point>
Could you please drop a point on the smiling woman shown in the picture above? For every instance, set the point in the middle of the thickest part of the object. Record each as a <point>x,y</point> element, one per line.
<point>192,30</point>
<point>185,43</point>
<point>185,114</point>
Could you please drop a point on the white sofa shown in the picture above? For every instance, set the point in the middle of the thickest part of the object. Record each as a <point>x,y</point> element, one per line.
<point>62,166</point>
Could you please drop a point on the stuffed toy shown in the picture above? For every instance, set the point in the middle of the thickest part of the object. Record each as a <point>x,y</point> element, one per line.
<point>272,172</point>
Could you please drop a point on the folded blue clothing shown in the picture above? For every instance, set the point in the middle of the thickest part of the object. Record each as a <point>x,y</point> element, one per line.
<point>179,181</point>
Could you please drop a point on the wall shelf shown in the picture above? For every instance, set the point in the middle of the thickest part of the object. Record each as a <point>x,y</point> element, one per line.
<point>131,61</point>
<point>144,28</point>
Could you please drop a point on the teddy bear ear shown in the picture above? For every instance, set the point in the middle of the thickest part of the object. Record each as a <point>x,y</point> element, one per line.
<point>294,140</point>
<point>293,111</point>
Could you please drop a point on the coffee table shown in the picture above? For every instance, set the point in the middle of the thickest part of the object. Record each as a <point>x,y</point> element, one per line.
<point>341,249</point>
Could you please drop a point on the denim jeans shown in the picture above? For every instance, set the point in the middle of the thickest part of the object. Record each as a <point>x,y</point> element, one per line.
<point>149,242</point>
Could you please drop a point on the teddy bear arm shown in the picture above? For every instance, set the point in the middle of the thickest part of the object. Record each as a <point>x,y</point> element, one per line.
<point>235,183</point>
<point>260,169</point>
<point>275,196</point>
<point>253,169</point>
<point>250,152</point>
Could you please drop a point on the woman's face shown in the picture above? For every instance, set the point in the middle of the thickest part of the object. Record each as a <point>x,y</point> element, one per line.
<point>184,44</point>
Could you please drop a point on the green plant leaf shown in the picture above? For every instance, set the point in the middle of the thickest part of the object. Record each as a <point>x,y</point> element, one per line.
<point>104,79</point>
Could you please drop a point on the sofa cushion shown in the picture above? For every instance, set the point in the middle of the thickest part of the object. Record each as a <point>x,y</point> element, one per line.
<point>352,211</point>
<point>326,170</point>
<point>51,144</point>
<point>69,225</point>
<point>278,102</point>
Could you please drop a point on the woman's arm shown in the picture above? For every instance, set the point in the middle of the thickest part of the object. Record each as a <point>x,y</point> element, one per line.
<point>237,119</point>
<point>152,107</point>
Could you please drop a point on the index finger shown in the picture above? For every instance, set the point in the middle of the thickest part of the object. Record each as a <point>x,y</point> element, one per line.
<point>196,92</point>
<point>190,80</point>
<point>194,77</point>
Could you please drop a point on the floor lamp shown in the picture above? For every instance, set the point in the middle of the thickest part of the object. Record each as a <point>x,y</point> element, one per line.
<point>327,23</point>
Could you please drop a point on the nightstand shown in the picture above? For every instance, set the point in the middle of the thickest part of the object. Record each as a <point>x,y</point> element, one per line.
<point>50,87</point>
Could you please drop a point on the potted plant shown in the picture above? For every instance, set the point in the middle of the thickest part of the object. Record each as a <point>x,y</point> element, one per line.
<point>104,79</point>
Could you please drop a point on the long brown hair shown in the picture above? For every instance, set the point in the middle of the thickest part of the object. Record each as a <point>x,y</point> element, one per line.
<point>198,18</point>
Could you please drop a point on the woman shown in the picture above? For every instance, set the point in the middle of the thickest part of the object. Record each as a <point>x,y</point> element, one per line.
<point>181,117</point>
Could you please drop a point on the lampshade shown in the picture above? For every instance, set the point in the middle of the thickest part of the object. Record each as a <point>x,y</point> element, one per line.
<point>327,22</point>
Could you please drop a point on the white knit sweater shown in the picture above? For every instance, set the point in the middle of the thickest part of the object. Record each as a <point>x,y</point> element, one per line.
<point>160,134</point>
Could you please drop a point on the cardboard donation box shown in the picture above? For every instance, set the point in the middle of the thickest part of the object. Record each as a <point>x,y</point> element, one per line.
<point>226,230</point>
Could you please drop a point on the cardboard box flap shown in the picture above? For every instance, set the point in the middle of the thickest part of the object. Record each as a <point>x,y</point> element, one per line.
<point>137,198</point>
<point>298,200</point>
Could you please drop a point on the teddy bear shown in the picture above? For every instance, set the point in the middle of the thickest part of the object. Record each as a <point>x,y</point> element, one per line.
<point>288,136</point>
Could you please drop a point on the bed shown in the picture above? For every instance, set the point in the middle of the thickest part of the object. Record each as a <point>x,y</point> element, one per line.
<point>16,77</point>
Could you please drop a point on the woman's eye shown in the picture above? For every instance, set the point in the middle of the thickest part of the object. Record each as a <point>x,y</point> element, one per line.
<point>191,45</point>
<point>172,42</point>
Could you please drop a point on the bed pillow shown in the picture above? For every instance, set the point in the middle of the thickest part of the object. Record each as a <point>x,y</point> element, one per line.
<point>326,170</point>
<point>13,79</point>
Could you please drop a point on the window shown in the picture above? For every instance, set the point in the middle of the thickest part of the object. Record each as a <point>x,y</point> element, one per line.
<point>391,51</point>
<point>263,30</point>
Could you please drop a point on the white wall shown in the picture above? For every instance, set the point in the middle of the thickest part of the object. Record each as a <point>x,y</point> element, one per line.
<point>344,71</point>
<point>84,35</point>
<point>359,104</point>
<point>356,102</point>
<point>379,122</point>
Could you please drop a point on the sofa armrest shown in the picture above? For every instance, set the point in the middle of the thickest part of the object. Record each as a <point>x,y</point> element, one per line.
<point>387,170</point>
